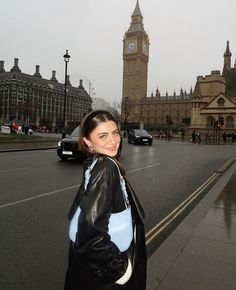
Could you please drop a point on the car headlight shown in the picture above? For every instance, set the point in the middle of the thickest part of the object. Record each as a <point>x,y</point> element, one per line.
<point>59,143</point>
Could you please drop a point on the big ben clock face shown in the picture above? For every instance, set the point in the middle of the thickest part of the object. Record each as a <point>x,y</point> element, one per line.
<point>131,46</point>
<point>145,47</point>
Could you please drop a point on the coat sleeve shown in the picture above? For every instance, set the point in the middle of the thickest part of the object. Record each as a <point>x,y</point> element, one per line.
<point>93,242</point>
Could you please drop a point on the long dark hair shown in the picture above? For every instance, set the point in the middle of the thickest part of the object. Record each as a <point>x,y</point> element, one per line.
<point>89,123</point>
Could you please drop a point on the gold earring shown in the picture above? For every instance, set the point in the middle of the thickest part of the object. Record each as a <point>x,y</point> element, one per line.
<point>90,148</point>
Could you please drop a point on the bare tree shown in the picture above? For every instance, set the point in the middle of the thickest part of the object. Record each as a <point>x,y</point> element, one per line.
<point>127,108</point>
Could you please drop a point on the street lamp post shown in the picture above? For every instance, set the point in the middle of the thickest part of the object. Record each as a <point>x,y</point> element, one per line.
<point>66,59</point>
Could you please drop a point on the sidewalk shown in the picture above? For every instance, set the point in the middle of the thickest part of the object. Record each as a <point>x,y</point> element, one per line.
<point>201,252</point>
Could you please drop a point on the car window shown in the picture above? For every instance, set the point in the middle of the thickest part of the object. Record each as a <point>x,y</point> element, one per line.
<point>75,133</point>
<point>141,132</point>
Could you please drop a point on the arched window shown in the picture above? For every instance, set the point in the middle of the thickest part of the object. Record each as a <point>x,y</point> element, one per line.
<point>220,102</point>
<point>229,122</point>
<point>210,122</point>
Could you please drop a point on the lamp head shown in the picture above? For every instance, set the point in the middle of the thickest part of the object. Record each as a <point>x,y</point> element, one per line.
<point>66,56</point>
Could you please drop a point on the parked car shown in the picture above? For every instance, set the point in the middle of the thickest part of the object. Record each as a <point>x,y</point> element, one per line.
<point>69,147</point>
<point>139,136</point>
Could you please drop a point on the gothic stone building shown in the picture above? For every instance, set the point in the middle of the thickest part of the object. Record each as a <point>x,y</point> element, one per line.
<point>33,100</point>
<point>213,97</point>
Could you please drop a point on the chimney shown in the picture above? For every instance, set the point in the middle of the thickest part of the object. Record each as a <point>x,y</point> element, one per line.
<point>16,67</point>
<point>53,78</point>
<point>37,73</point>
<point>68,80</point>
<point>81,84</point>
<point>2,66</point>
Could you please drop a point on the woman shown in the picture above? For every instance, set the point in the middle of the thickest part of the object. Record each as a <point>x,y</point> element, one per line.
<point>96,260</point>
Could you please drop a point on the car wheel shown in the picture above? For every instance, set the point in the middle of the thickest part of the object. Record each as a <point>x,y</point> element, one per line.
<point>129,141</point>
<point>150,144</point>
<point>64,158</point>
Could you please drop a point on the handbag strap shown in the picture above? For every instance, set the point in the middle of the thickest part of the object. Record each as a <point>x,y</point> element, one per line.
<point>87,175</point>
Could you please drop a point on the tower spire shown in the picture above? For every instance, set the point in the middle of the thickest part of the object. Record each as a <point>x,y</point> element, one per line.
<point>227,60</point>
<point>137,20</point>
<point>137,11</point>
<point>227,51</point>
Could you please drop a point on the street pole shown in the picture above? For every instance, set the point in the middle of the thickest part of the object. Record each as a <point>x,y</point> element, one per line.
<point>66,59</point>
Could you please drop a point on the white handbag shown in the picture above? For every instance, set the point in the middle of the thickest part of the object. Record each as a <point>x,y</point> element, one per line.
<point>120,227</point>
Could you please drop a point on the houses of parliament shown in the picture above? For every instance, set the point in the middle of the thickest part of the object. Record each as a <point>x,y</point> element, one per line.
<point>211,103</point>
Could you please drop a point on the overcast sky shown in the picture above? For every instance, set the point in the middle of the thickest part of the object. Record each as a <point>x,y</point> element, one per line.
<point>187,38</point>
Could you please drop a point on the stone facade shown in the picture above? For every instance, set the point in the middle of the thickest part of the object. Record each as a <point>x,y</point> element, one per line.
<point>35,101</point>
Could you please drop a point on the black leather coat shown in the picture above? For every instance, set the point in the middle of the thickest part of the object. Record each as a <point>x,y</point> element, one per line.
<point>95,262</point>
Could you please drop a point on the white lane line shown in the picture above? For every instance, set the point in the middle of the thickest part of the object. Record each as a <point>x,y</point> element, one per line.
<point>145,167</point>
<point>61,190</point>
<point>38,196</point>
<point>15,169</point>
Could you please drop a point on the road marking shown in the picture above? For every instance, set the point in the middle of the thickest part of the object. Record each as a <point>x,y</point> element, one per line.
<point>145,167</point>
<point>39,196</point>
<point>15,169</point>
<point>179,209</point>
<point>56,191</point>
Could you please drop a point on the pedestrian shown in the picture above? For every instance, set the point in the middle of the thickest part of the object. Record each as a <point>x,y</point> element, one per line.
<point>101,255</point>
<point>199,138</point>
<point>194,136</point>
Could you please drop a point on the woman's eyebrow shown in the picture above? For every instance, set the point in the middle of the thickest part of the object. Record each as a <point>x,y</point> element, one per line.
<point>102,133</point>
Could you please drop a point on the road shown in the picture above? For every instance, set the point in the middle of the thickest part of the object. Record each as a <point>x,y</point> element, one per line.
<point>37,190</point>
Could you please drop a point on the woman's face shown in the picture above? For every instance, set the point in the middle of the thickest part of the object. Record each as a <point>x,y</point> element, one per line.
<point>104,139</point>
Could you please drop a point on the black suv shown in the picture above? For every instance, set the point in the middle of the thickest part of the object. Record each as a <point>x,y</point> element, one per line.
<point>68,147</point>
<point>139,136</point>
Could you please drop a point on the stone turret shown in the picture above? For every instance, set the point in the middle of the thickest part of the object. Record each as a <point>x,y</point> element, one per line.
<point>16,67</point>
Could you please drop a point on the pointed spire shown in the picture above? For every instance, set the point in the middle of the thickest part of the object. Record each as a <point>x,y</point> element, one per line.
<point>227,51</point>
<point>157,92</point>
<point>137,20</point>
<point>227,60</point>
<point>137,11</point>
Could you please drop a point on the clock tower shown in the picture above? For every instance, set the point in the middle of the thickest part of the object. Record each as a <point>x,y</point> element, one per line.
<point>135,67</point>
